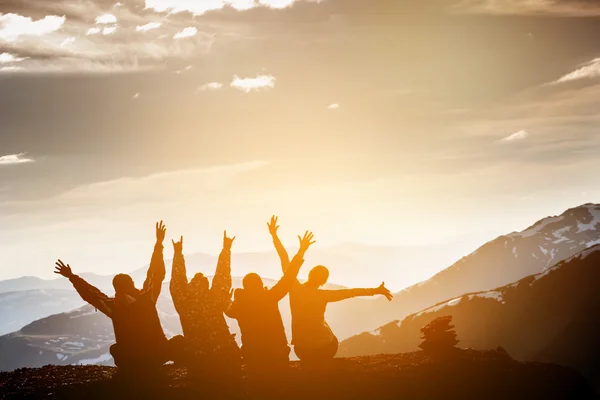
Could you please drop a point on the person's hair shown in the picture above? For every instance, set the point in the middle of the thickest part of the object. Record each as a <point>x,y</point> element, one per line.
<point>318,275</point>
<point>252,281</point>
<point>123,283</point>
<point>199,281</point>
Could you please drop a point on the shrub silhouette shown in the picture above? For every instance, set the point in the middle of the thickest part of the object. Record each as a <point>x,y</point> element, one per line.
<point>439,338</point>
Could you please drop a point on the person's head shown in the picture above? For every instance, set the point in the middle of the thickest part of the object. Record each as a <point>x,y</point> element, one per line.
<point>199,283</point>
<point>123,284</point>
<point>318,276</point>
<point>253,283</point>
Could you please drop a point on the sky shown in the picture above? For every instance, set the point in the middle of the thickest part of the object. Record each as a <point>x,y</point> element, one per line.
<point>367,121</point>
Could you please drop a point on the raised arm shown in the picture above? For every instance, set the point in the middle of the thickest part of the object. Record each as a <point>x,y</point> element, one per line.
<point>179,281</point>
<point>89,293</point>
<point>281,251</point>
<point>156,272</point>
<point>281,288</point>
<point>221,283</point>
<point>342,294</point>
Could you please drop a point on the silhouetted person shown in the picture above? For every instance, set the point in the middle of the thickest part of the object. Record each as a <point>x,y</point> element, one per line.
<point>208,342</point>
<point>312,337</point>
<point>256,308</point>
<point>140,340</point>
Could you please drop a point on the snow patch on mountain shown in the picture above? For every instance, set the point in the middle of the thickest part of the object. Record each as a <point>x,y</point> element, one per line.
<point>450,303</point>
<point>494,294</point>
<point>590,226</point>
<point>558,234</point>
<point>538,226</point>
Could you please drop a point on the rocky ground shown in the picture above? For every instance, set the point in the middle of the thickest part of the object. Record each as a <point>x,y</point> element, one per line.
<point>468,375</point>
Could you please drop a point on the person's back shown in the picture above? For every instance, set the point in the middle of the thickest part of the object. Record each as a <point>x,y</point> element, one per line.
<point>201,310</point>
<point>137,324</point>
<point>308,306</point>
<point>256,308</point>
<point>140,340</point>
<point>312,337</point>
<point>261,325</point>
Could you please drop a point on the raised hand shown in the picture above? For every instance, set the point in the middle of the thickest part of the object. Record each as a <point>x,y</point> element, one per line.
<point>227,242</point>
<point>273,226</point>
<point>64,270</point>
<point>161,231</point>
<point>306,241</point>
<point>178,246</point>
<point>382,290</point>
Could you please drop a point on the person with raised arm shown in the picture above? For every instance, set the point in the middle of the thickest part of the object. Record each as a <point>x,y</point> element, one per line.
<point>256,309</point>
<point>209,345</point>
<point>312,338</point>
<point>140,341</point>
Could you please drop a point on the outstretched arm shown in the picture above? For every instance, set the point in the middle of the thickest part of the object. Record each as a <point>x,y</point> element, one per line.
<point>290,276</point>
<point>156,272</point>
<point>89,293</point>
<point>281,251</point>
<point>331,296</point>
<point>179,281</point>
<point>221,284</point>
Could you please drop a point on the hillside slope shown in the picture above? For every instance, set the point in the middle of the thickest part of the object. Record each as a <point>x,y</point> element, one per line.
<point>83,336</point>
<point>553,316</point>
<point>499,262</point>
<point>473,375</point>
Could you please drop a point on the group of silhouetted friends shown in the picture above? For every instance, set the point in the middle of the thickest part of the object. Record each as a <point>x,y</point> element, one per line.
<point>207,345</point>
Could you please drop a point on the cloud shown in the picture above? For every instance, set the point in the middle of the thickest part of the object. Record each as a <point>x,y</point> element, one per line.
<point>249,84</point>
<point>6,58</point>
<point>333,106</point>
<point>106,19</point>
<point>93,31</point>
<point>588,70</point>
<point>201,7</point>
<point>211,86</point>
<point>13,26</point>
<point>67,42</point>
<point>109,30</point>
<point>520,135</point>
<point>13,159</point>
<point>11,68</point>
<point>181,71</point>
<point>566,8</point>
<point>143,188</point>
<point>190,31</point>
<point>148,27</point>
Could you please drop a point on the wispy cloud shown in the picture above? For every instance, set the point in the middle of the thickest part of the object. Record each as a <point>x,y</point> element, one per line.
<point>6,58</point>
<point>567,8</point>
<point>520,135</point>
<point>190,31</point>
<point>13,26</point>
<point>249,84</point>
<point>588,70</point>
<point>13,159</point>
<point>148,27</point>
<point>211,86</point>
<point>201,7</point>
<point>106,19</point>
<point>333,106</point>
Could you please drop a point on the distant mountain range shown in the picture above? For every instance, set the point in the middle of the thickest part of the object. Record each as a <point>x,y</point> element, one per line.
<point>553,316</point>
<point>501,261</point>
<point>343,260</point>
<point>18,309</point>
<point>504,260</point>
<point>83,336</point>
